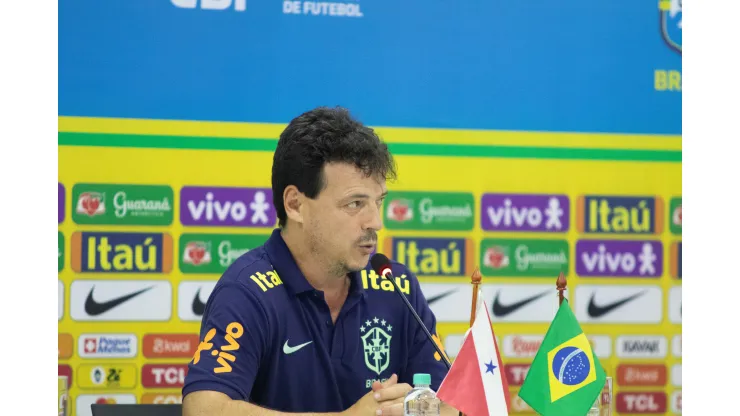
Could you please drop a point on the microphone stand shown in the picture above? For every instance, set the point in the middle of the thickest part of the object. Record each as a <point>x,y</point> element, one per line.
<point>421,324</point>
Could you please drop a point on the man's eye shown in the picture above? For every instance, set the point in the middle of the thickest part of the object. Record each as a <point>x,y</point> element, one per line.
<point>354,204</point>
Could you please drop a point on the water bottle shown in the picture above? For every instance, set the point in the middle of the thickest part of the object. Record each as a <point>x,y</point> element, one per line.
<point>421,400</point>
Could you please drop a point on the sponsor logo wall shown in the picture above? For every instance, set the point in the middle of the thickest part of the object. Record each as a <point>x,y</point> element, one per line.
<point>154,204</point>
<point>137,263</point>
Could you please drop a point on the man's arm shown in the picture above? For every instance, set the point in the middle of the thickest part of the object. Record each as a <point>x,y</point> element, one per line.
<point>234,336</point>
<point>204,402</point>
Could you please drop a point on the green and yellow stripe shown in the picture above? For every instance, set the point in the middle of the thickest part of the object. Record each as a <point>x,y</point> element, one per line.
<point>175,134</point>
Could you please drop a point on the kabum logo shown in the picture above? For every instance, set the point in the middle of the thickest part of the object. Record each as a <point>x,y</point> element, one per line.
<point>376,343</point>
<point>671,23</point>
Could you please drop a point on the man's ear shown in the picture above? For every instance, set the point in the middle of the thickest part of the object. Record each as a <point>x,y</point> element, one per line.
<point>293,200</point>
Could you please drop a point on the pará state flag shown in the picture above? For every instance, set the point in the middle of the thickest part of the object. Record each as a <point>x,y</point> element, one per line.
<point>476,384</point>
<point>565,377</point>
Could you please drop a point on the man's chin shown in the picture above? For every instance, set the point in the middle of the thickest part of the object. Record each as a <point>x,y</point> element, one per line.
<point>359,263</point>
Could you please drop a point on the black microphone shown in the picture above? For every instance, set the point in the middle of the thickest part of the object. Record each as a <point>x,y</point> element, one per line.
<point>382,266</point>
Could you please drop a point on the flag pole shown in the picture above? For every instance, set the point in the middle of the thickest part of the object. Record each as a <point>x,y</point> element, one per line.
<point>561,283</point>
<point>475,281</point>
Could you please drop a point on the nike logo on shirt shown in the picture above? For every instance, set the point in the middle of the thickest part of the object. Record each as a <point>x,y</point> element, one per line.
<point>94,308</point>
<point>503,310</point>
<point>596,311</point>
<point>287,349</point>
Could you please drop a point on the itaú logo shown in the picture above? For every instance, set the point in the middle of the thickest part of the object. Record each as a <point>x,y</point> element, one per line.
<point>238,5</point>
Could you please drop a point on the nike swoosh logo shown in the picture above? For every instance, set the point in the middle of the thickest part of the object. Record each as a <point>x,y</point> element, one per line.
<point>94,308</point>
<point>502,310</point>
<point>287,349</point>
<point>440,296</point>
<point>596,311</point>
<point>198,306</point>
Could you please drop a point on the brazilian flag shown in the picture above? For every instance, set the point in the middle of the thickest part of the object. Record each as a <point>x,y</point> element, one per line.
<point>565,377</point>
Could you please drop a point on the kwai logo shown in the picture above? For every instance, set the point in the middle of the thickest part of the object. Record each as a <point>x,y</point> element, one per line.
<point>676,216</point>
<point>531,258</point>
<point>214,253</point>
<point>525,212</point>
<point>620,214</point>
<point>230,207</point>
<point>616,258</point>
<point>433,256</point>
<point>114,204</point>
<point>429,211</point>
<point>111,252</point>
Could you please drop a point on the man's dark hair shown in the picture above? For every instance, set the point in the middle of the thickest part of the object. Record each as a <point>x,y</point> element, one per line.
<point>321,136</point>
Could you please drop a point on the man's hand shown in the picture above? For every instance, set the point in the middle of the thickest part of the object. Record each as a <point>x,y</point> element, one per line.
<point>389,396</point>
<point>368,405</point>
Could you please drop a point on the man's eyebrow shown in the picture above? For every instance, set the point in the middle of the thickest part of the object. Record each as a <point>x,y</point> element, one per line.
<point>360,196</point>
<point>366,196</point>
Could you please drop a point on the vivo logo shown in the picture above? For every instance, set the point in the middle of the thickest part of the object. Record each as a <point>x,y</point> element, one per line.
<point>238,5</point>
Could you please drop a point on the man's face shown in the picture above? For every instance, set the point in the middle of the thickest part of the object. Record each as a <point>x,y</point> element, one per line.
<point>342,222</point>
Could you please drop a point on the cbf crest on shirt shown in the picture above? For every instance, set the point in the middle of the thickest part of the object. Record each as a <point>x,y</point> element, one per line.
<point>267,336</point>
<point>376,344</point>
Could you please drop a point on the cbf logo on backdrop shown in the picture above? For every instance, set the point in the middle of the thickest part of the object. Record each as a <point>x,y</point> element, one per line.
<point>671,23</point>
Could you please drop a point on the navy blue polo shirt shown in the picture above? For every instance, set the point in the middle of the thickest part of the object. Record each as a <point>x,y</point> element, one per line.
<point>267,336</point>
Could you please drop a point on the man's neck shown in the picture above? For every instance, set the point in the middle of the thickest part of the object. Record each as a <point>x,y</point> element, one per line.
<point>314,269</point>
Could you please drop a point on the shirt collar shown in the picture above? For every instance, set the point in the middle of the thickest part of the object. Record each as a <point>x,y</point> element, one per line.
<point>292,277</point>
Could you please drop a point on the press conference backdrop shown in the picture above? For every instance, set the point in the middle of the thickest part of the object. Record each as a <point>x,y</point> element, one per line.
<point>531,138</point>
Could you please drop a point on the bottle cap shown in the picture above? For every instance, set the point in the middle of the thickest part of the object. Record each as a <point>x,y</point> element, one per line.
<point>422,378</point>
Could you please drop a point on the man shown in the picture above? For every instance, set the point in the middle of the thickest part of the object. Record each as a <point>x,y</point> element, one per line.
<point>302,324</point>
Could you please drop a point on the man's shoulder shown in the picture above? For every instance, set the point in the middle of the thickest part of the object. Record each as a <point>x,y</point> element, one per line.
<point>255,274</point>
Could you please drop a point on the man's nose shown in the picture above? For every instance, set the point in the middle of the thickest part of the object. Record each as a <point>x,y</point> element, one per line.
<point>374,221</point>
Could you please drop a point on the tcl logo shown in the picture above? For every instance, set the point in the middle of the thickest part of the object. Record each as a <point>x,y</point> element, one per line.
<point>641,375</point>
<point>652,402</point>
<point>516,373</point>
<point>158,375</point>
<point>238,5</point>
<point>154,398</point>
